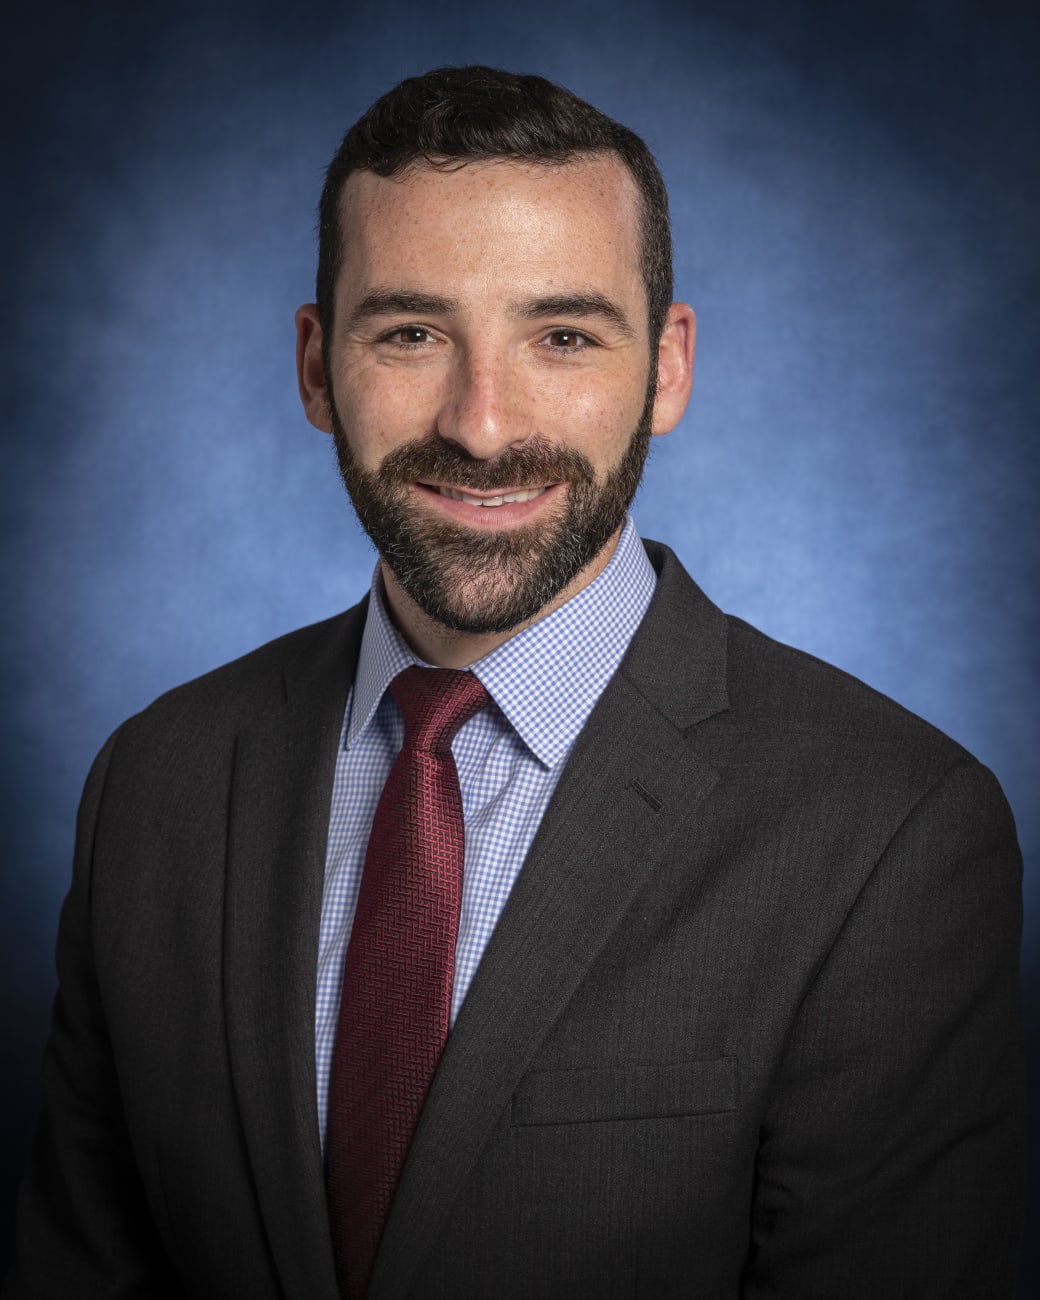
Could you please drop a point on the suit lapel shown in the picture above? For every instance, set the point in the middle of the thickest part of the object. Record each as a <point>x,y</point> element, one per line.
<point>278,829</point>
<point>632,784</point>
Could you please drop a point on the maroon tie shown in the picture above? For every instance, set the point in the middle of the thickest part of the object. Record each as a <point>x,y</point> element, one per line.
<point>399,967</point>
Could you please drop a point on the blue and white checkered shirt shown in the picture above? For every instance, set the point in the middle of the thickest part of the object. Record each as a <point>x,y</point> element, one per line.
<point>543,684</point>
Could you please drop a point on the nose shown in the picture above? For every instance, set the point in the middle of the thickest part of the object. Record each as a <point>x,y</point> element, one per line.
<point>485,408</point>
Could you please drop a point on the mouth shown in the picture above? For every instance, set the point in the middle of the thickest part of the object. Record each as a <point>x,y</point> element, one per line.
<point>515,496</point>
<point>510,508</point>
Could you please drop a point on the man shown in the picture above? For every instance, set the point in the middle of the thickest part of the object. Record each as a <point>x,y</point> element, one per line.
<point>730,972</point>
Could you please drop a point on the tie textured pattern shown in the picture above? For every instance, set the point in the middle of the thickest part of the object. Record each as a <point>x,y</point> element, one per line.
<point>398,970</point>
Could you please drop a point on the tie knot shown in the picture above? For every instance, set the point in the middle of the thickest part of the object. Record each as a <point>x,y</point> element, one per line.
<point>435,702</point>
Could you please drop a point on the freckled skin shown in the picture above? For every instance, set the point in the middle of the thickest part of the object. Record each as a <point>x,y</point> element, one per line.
<point>483,372</point>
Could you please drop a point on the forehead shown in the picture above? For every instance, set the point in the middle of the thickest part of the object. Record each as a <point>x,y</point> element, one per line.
<point>491,221</point>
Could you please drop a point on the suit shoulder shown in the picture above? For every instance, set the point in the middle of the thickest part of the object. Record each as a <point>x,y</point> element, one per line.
<point>227,696</point>
<point>813,704</point>
<point>771,695</point>
<point>809,734</point>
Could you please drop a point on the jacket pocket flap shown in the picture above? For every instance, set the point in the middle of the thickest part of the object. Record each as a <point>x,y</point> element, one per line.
<point>627,1092</point>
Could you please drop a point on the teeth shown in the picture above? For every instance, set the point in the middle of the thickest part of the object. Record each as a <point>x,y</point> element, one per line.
<point>525,494</point>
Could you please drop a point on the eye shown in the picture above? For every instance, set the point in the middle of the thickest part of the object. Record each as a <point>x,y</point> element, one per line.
<point>562,340</point>
<point>408,336</point>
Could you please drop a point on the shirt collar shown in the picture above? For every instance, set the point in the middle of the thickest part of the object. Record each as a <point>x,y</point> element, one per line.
<point>546,679</point>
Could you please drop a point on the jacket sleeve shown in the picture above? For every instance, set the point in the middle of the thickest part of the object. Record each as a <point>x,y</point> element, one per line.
<point>84,1227</point>
<point>891,1160</point>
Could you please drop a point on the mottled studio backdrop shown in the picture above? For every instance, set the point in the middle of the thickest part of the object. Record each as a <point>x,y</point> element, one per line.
<point>855,191</point>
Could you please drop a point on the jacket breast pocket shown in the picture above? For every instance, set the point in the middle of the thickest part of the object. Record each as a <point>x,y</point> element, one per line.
<point>586,1096</point>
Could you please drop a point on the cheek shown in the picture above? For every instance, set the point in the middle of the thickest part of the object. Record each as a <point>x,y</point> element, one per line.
<point>598,417</point>
<point>380,409</point>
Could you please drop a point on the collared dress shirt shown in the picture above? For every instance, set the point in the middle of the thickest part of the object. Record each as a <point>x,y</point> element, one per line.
<point>543,684</point>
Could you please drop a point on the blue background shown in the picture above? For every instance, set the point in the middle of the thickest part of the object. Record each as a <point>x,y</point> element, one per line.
<point>856,202</point>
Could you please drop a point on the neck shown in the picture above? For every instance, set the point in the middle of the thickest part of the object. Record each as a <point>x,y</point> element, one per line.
<point>446,647</point>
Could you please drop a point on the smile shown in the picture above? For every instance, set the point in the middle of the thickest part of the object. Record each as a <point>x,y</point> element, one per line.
<point>507,498</point>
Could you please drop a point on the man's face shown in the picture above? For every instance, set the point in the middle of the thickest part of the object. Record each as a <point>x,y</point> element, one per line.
<point>490,383</point>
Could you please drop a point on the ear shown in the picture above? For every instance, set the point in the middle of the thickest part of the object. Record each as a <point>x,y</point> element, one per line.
<point>310,371</point>
<point>674,367</point>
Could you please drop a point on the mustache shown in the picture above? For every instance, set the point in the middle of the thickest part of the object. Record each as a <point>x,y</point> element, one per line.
<point>533,463</point>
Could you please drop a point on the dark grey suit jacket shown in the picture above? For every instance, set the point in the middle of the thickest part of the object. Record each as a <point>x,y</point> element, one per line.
<point>747,1027</point>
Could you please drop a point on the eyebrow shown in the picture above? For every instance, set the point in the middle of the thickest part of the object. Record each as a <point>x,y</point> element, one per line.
<point>403,302</point>
<point>400,302</point>
<point>574,304</point>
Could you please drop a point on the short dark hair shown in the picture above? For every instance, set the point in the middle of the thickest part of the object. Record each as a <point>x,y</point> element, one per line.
<point>456,115</point>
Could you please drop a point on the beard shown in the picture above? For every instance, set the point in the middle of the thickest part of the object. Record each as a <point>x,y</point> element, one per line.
<point>472,580</point>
